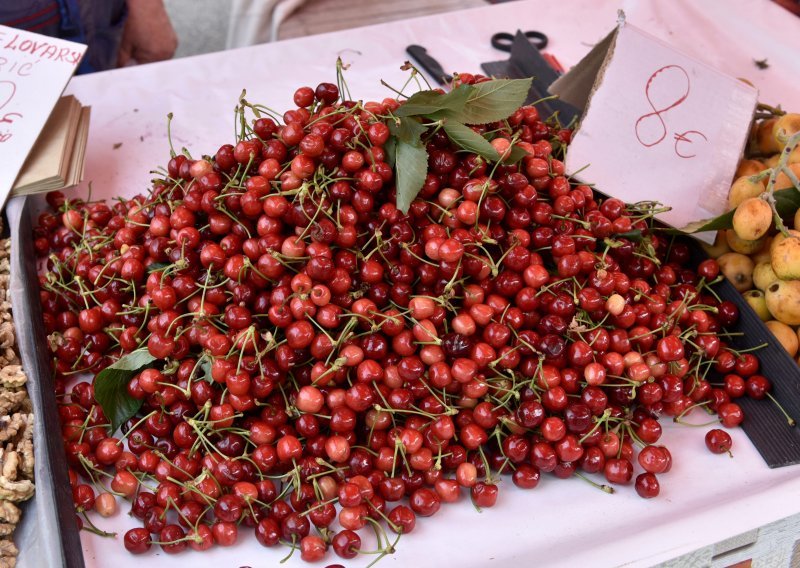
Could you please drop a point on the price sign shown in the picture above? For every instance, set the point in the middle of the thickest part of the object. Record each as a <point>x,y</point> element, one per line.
<point>34,70</point>
<point>658,125</point>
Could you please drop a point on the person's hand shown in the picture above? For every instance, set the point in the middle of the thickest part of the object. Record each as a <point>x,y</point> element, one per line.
<point>148,35</point>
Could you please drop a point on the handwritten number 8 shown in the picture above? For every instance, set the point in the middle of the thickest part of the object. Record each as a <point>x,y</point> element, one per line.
<point>674,73</point>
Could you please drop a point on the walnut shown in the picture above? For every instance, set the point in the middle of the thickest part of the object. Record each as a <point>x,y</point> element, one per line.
<point>11,376</point>
<point>25,451</point>
<point>10,401</point>
<point>6,335</point>
<point>10,465</point>
<point>8,357</point>
<point>7,529</point>
<point>16,424</point>
<point>9,513</point>
<point>27,429</point>
<point>15,490</point>
<point>8,553</point>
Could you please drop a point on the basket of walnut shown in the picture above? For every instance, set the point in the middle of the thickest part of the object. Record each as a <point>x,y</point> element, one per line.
<point>16,423</point>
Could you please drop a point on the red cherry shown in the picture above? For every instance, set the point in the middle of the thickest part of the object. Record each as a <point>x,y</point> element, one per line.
<point>718,441</point>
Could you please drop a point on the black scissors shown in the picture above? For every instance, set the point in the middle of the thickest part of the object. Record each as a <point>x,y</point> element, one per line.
<point>504,40</point>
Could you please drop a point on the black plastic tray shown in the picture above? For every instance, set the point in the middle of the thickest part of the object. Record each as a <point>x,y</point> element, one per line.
<point>764,423</point>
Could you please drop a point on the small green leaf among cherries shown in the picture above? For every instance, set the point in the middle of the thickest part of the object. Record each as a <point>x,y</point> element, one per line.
<point>111,384</point>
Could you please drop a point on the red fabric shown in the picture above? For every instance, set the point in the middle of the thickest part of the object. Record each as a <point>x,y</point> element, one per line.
<point>53,7</point>
<point>56,17</point>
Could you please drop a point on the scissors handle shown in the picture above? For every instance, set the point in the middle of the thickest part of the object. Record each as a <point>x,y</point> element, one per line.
<point>504,40</point>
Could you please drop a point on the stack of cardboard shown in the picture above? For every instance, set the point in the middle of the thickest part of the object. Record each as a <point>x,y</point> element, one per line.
<point>56,159</point>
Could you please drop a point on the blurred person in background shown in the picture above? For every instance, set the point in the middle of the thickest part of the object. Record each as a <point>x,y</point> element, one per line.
<point>792,5</point>
<point>117,32</point>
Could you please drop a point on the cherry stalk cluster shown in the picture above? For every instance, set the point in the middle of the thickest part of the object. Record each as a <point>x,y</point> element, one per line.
<point>288,352</point>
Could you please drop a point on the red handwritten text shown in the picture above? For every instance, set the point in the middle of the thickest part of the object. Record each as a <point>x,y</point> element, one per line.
<point>15,67</point>
<point>42,49</point>
<point>7,91</point>
<point>685,138</point>
<point>651,128</point>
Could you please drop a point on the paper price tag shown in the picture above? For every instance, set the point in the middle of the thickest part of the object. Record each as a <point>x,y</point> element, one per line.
<point>34,70</point>
<point>658,125</point>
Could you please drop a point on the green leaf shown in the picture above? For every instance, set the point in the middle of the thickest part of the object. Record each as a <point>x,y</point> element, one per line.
<point>409,130</point>
<point>724,221</point>
<point>470,140</point>
<point>425,103</point>
<point>493,100</point>
<point>205,366</point>
<point>111,387</point>
<point>515,155</point>
<point>390,148</point>
<point>411,165</point>
<point>787,201</point>
<point>634,235</point>
<point>156,266</point>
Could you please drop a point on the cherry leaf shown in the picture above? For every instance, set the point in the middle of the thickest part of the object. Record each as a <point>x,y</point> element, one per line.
<point>493,100</point>
<point>156,266</point>
<point>470,140</point>
<point>390,150</point>
<point>408,130</point>
<point>411,165</point>
<point>205,366</point>
<point>515,155</point>
<point>425,103</point>
<point>111,387</point>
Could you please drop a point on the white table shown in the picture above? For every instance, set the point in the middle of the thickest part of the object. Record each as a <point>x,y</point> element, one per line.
<point>704,499</point>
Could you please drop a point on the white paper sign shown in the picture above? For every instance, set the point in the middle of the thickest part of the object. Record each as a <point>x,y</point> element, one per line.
<point>658,125</point>
<point>34,70</point>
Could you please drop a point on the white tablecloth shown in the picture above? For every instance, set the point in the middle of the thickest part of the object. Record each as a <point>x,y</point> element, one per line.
<point>705,497</point>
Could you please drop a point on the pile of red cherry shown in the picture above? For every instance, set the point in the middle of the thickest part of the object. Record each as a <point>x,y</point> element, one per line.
<point>326,361</point>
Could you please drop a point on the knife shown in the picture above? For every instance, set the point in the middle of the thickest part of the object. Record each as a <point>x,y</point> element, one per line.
<point>429,64</point>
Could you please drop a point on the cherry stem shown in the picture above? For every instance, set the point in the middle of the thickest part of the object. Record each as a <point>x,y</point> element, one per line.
<point>604,488</point>
<point>389,549</point>
<point>92,528</point>
<point>769,194</point>
<point>789,419</point>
